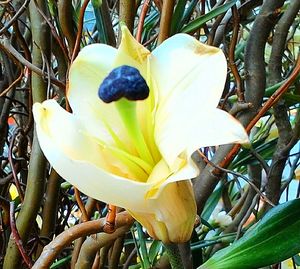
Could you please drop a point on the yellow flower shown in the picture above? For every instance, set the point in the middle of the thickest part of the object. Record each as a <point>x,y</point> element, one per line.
<point>13,192</point>
<point>137,154</point>
<point>288,264</point>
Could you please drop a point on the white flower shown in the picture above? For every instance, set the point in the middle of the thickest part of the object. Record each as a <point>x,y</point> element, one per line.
<point>137,154</point>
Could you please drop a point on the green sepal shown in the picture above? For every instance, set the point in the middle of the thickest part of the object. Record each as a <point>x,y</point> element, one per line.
<point>274,238</point>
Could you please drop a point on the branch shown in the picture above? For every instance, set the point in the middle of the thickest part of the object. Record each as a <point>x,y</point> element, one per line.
<point>165,20</point>
<point>64,239</point>
<point>6,45</point>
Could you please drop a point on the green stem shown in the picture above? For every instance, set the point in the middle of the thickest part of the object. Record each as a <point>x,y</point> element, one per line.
<point>174,256</point>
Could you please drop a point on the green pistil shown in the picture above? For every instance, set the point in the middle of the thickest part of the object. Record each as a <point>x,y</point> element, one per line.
<point>127,112</point>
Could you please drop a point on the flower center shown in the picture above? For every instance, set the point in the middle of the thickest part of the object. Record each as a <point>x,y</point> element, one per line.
<point>122,86</point>
<point>123,81</point>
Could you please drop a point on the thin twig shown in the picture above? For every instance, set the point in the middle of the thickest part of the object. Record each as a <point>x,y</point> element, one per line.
<point>232,64</point>
<point>53,31</point>
<point>84,216</point>
<point>12,85</point>
<point>79,31</point>
<point>4,205</point>
<point>15,17</point>
<point>5,43</point>
<point>17,237</point>
<point>13,169</point>
<point>143,14</point>
<point>109,226</point>
<point>276,95</point>
<point>269,103</point>
<point>246,217</point>
<point>236,174</point>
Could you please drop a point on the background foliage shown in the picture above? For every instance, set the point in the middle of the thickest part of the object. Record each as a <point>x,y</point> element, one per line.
<point>38,41</point>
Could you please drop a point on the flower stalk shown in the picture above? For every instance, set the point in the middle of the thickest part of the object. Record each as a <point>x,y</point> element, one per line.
<point>174,256</point>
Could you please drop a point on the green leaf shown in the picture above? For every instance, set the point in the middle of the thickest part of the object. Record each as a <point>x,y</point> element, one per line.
<point>262,147</point>
<point>274,238</point>
<point>60,263</point>
<point>297,259</point>
<point>154,251</point>
<point>102,32</point>
<point>143,248</point>
<point>177,16</point>
<point>187,13</point>
<point>197,23</point>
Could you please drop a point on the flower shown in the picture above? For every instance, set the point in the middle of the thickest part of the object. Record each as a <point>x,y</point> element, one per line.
<point>137,154</point>
<point>221,219</point>
<point>288,264</point>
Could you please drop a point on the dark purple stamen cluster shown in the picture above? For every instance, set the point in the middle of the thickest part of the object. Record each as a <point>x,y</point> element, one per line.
<point>124,81</point>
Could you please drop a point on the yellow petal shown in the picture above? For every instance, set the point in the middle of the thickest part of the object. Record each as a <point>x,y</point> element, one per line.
<point>80,161</point>
<point>163,174</point>
<point>174,213</point>
<point>131,52</point>
<point>65,131</point>
<point>288,264</point>
<point>297,174</point>
<point>13,192</point>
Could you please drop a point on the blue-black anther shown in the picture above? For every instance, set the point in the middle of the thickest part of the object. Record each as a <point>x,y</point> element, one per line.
<point>124,81</point>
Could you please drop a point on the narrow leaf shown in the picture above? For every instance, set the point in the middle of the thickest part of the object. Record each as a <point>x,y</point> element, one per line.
<point>274,238</point>
<point>197,23</point>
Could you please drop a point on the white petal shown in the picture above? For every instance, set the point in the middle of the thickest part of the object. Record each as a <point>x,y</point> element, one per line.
<point>78,160</point>
<point>87,72</point>
<point>217,128</point>
<point>189,171</point>
<point>190,78</point>
<point>65,131</point>
<point>97,183</point>
<point>211,127</point>
<point>132,53</point>
<point>78,144</point>
<point>181,63</point>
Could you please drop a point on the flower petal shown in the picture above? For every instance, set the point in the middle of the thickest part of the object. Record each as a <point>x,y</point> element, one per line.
<point>215,127</point>
<point>78,160</point>
<point>182,63</point>
<point>190,77</point>
<point>87,72</point>
<point>131,52</point>
<point>76,142</point>
<point>173,215</point>
<point>65,131</point>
